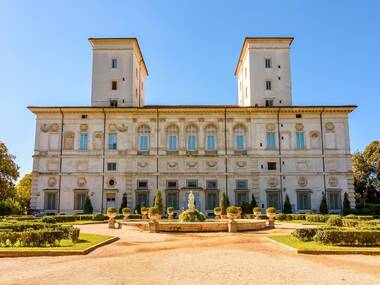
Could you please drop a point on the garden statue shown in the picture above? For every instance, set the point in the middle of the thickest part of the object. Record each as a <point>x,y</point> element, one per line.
<point>191,203</point>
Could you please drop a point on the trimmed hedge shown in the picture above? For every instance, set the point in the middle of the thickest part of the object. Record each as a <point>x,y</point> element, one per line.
<point>317,218</point>
<point>34,238</point>
<point>348,237</point>
<point>335,221</point>
<point>360,218</point>
<point>290,217</point>
<point>306,234</point>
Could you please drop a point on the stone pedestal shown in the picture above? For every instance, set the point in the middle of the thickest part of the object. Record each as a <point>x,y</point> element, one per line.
<point>271,224</point>
<point>154,227</point>
<point>111,223</point>
<point>232,226</point>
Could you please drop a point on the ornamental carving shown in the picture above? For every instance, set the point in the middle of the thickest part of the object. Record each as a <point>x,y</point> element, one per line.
<point>68,143</point>
<point>329,126</point>
<point>112,127</point>
<point>314,135</point>
<point>54,127</point>
<point>302,181</point>
<point>272,182</point>
<point>111,182</point>
<point>52,181</point>
<point>270,127</point>
<point>172,164</point>
<point>241,164</point>
<point>97,142</point>
<point>122,128</point>
<point>142,164</point>
<point>83,127</point>
<point>81,182</point>
<point>192,164</point>
<point>333,181</point>
<point>49,128</point>
<point>201,120</point>
<point>211,163</point>
<point>299,127</point>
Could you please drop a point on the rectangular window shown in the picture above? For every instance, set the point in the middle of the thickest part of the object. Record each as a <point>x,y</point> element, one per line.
<point>303,201</point>
<point>114,85</point>
<point>211,184</point>
<point>212,200</point>
<point>240,144</point>
<point>273,199</point>
<point>334,201</point>
<point>172,184</point>
<point>268,63</point>
<point>79,200</point>
<point>172,200</point>
<point>191,183</point>
<point>114,63</point>
<point>271,142</point>
<point>111,166</point>
<point>142,199</point>
<point>113,103</point>
<point>271,166</point>
<point>242,184</point>
<point>83,142</point>
<point>142,184</point>
<point>112,141</point>
<point>300,140</point>
<point>51,201</point>
<point>144,142</point>
<point>268,103</point>
<point>191,142</point>
<point>172,142</point>
<point>211,142</point>
<point>268,85</point>
<point>241,197</point>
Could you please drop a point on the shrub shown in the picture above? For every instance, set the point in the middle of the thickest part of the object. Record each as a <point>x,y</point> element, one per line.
<point>126,210</point>
<point>224,203</point>
<point>158,201</point>
<point>134,216</point>
<point>256,209</point>
<point>317,218</point>
<point>346,204</point>
<point>281,217</point>
<point>217,209</point>
<point>232,210</point>
<point>253,202</point>
<point>111,210</point>
<point>144,209</point>
<point>35,238</point>
<point>123,203</point>
<point>99,217</point>
<point>305,234</point>
<point>323,206</point>
<point>9,207</point>
<point>335,221</point>
<point>49,220</point>
<point>87,207</point>
<point>271,210</point>
<point>287,205</point>
<point>154,210</point>
<point>348,237</point>
<point>196,216</point>
<point>170,210</point>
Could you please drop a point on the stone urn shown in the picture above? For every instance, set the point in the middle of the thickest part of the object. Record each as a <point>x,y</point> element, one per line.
<point>154,214</point>
<point>217,212</point>
<point>126,212</point>
<point>271,213</point>
<point>257,213</point>
<point>144,212</point>
<point>111,213</point>
<point>232,212</point>
<point>170,212</point>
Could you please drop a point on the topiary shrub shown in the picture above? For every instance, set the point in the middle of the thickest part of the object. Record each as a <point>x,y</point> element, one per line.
<point>346,204</point>
<point>158,201</point>
<point>323,206</point>
<point>49,220</point>
<point>232,210</point>
<point>317,218</point>
<point>287,206</point>
<point>348,237</point>
<point>281,217</point>
<point>99,217</point>
<point>189,216</point>
<point>87,207</point>
<point>335,221</point>
<point>271,210</point>
<point>126,210</point>
<point>123,203</point>
<point>154,210</point>
<point>305,234</point>
<point>224,203</point>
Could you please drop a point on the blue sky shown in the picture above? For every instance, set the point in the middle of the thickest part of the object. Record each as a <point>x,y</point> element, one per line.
<point>191,49</point>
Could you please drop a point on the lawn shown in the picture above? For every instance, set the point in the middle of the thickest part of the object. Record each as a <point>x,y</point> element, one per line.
<point>293,242</point>
<point>302,222</point>
<point>83,222</point>
<point>85,241</point>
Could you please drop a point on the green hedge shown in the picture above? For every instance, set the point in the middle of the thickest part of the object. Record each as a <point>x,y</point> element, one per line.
<point>21,226</point>
<point>33,238</point>
<point>348,237</point>
<point>306,234</point>
<point>317,218</point>
<point>360,218</point>
<point>290,217</point>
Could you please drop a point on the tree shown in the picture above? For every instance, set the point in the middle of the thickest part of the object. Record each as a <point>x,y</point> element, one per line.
<point>158,201</point>
<point>87,207</point>
<point>8,173</point>
<point>253,202</point>
<point>224,203</point>
<point>23,191</point>
<point>323,206</point>
<point>123,203</point>
<point>346,204</point>
<point>287,206</point>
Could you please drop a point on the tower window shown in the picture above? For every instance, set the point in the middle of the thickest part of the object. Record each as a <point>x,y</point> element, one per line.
<point>268,85</point>
<point>269,103</point>
<point>114,63</point>
<point>268,63</point>
<point>113,103</point>
<point>111,166</point>
<point>271,166</point>
<point>114,85</point>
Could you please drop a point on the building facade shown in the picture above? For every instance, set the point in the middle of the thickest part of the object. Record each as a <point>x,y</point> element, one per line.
<point>264,146</point>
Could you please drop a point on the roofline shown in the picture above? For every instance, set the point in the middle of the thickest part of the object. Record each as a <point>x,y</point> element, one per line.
<point>91,40</point>
<point>290,39</point>
<point>319,108</point>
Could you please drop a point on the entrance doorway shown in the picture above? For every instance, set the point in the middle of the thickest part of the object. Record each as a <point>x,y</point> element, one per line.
<point>110,200</point>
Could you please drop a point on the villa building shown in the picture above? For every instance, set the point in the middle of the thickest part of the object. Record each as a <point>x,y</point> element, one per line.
<point>265,146</point>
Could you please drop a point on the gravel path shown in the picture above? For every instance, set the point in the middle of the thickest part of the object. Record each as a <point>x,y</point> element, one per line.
<point>212,258</point>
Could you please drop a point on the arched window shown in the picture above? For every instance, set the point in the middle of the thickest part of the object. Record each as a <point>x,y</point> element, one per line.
<point>211,137</point>
<point>172,139</point>
<point>192,137</point>
<point>143,137</point>
<point>239,137</point>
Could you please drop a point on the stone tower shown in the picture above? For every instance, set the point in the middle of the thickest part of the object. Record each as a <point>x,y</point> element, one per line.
<point>118,72</point>
<point>263,72</point>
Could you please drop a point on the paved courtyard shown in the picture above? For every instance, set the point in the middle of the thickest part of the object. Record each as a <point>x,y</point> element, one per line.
<point>212,258</point>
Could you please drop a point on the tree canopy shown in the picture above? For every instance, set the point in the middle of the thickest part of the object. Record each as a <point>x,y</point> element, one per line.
<point>23,190</point>
<point>9,172</point>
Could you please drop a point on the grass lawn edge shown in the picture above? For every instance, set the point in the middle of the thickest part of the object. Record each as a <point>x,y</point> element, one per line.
<point>30,253</point>
<point>342,251</point>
